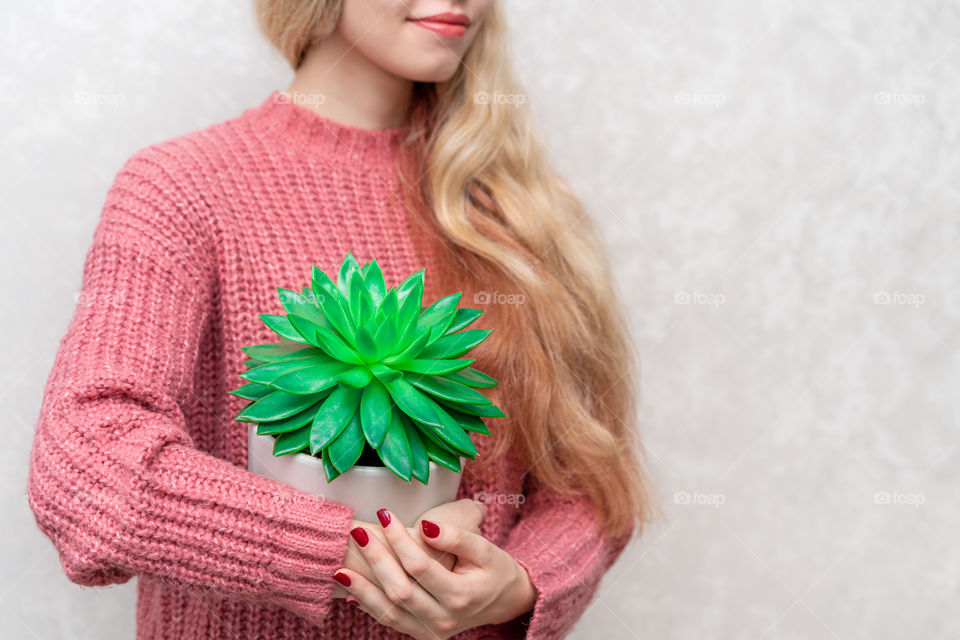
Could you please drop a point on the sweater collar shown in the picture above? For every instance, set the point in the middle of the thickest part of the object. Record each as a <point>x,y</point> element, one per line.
<point>300,127</point>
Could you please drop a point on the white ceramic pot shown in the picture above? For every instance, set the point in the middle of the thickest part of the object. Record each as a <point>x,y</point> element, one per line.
<point>364,488</point>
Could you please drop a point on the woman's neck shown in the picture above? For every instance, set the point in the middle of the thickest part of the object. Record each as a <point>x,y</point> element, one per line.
<point>340,83</point>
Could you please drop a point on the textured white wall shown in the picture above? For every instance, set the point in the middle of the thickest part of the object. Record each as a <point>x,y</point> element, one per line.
<point>767,173</point>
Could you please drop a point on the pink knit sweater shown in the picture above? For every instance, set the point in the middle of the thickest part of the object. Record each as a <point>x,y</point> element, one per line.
<point>137,467</point>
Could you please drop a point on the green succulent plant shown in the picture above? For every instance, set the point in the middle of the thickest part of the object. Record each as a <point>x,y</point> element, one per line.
<point>363,369</point>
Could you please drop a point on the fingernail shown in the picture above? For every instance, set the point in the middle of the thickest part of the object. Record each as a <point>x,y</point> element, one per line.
<point>342,578</point>
<point>360,535</point>
<point>430,529</point>
<point>384,516</point>
<point>354,603</point>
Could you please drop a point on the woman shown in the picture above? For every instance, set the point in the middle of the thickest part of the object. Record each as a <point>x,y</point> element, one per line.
<point>403,137</point>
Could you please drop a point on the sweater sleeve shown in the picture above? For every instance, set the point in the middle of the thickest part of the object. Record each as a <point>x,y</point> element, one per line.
<point>557,540</point>
<point>115,480</point>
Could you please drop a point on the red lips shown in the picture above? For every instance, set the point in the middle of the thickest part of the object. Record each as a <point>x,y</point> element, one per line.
<point>448,18</point>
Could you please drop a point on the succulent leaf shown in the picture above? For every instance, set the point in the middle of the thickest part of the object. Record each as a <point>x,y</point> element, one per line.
<point>305,329</point>
<point>373,277</point>
<point>395,449</point>
<point>431,435</point>
<point>282,327</point>
<point>452,434</point>
<point>336,347</point>
<point>455,344</point>
<point>356,377</point>
<point>278,352</point>
<point>412,351</point>
<point>349,269</point>
<point>412,401</point>
<point>292,423</point>
<point>367,307</point>
<point>472,378</point>
<point>384,373</point>
<point>375,412</point>
<point>463,318</point>
<point>447,389</point>
<point>385,337</point>
<point>361,302</point>
<point>332,417</point>
<point>434,367</point>
<point>442,312</point>
<point>274,406</point>
<point>412,286</point>
<point>439,330</point>
<point>252,391</point>
<point>482,410</point>
<point>302,305</point>
<point>311,379</point>
<point>439,454</point>
<point>270,371</point>
<point>322,284</point>
<point>291,442</point>
<point>338,313</point>
<point>389,307</point>
<point>355,299</point>
<point>468,422</point>
<point>419,462</point>
<point>407,315</point>
<point>346,448</point>
<point>366,345</point>
<point>329,470</point>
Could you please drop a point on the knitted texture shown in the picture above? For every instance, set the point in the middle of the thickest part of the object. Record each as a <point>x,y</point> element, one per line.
<point>137,466</point>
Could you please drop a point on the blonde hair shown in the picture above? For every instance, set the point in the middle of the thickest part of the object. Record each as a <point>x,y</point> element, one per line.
<point>476,177</point>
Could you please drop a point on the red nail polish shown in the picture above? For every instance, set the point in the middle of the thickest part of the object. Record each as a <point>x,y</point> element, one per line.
<point>430,529</point>
<point>384,516</point>
<point>354,603</point>
<point>360,535</point>
<point>342,578</point>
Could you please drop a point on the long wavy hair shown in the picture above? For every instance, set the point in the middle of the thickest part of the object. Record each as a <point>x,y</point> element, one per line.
<point>509,232</point>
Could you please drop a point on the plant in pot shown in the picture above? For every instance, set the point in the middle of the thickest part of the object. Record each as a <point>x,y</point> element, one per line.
<point>366,399</point>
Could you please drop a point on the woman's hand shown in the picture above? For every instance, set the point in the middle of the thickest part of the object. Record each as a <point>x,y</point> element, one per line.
<point>465,513</point>
<point>423,598</point>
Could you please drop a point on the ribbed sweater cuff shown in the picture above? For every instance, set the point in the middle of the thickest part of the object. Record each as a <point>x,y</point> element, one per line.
<point>293,541</point>
<point>177,515</point>
<point>558,542</point>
